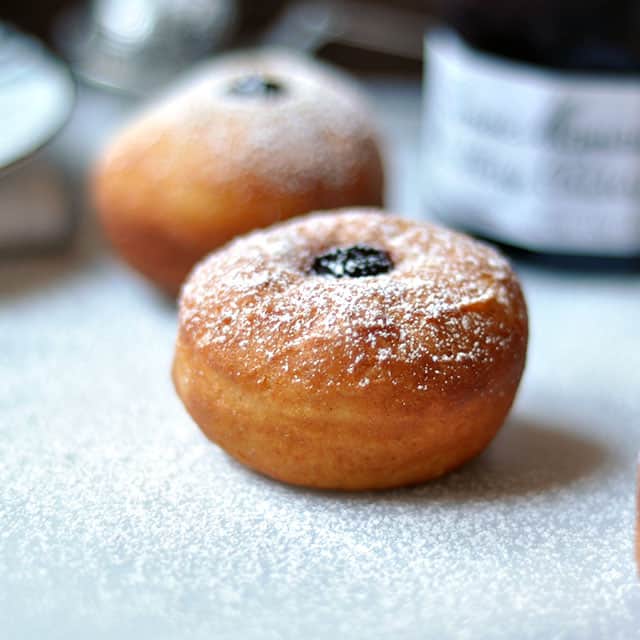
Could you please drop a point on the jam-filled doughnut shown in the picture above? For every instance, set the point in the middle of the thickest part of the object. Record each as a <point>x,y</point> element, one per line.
<point>351,349</point>
<point>251,139</point>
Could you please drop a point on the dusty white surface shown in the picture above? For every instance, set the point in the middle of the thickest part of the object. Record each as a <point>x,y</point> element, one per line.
<point>118,520</point>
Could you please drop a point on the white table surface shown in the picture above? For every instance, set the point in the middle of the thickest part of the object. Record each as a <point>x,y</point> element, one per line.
<point>118,520</point>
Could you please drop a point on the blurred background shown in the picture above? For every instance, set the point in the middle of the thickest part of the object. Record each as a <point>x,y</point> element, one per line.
<point>240,22</point>
<point>39,17</point>
<point>104,56</point>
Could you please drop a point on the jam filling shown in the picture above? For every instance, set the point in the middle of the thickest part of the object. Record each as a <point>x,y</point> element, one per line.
<point>256,86</point>
<point>358,261</point>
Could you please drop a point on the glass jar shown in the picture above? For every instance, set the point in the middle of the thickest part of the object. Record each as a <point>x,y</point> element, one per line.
<point>532,124</point>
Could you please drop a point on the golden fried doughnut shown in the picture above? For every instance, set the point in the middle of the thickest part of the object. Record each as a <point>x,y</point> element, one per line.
<point>251,139</point>
<point>638,520</point>
<point>351,349</point>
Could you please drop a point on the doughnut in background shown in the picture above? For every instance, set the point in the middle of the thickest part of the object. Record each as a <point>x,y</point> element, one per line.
<point>250,139</point>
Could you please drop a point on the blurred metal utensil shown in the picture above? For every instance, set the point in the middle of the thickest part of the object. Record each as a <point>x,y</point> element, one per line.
<point>310,26</point>
<point>138,46</point>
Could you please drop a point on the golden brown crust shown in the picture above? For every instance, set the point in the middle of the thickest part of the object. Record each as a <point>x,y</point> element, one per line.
<point>200,168</point>
<point>355,383</point>
<point>638,521</point>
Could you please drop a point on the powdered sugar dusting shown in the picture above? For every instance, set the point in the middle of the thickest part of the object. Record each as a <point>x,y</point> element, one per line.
<point>442,307</point>
<point>318,129</point>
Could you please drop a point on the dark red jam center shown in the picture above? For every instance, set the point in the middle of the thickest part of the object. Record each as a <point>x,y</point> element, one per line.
<point>358,261</point>
<point>255,86</point>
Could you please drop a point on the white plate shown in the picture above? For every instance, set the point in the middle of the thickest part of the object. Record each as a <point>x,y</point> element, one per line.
<point>36,96</point>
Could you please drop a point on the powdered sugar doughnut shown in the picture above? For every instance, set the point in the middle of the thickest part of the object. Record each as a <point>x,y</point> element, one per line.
<point>310,374</point>
<point>249,140</point>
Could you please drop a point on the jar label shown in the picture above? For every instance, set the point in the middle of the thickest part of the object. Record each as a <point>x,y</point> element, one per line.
<point>540,159</point>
